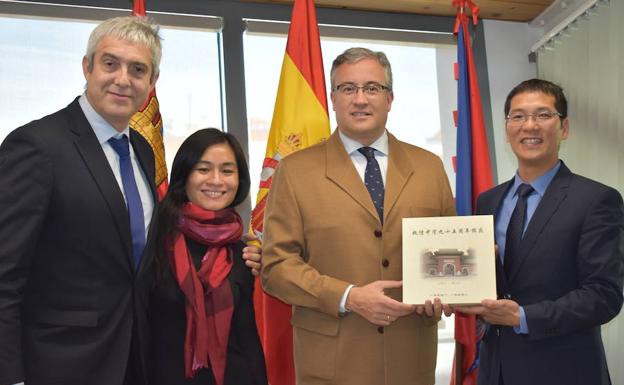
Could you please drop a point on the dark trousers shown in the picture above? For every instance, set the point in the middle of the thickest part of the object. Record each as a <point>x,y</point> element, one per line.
<point>131,376</point>
<point>133,371</point>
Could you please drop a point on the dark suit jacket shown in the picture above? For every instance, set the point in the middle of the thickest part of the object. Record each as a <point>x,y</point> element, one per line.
<point>245,360</point>
<point>71,301</point>
<point>568,278</point>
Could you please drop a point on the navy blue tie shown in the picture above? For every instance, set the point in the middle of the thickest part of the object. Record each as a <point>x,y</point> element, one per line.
<point>516,227</point>
<point>372,179</point>
<point>133,199</point>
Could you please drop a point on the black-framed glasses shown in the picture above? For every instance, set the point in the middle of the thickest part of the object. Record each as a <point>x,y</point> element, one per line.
<point>369,89</point>
<point>518,118</point>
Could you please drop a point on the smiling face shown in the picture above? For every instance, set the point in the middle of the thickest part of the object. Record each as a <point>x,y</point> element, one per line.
<point>361,117</point>
<point>119,79</point>
<point>213,182</point>
<point>535,144</point>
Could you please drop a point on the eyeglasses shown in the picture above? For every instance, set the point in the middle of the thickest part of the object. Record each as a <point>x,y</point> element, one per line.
<point>516,119</point>
<point>369,89</point>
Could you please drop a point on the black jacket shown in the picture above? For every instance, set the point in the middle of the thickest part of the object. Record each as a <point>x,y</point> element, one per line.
<point>245,361</point>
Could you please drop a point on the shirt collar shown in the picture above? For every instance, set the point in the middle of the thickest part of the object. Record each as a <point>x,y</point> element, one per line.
<point>351,145</point>
<point>540,184</point>
<point>102,129</point>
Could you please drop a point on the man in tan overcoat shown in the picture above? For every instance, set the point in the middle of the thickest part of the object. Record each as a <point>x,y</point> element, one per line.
<point>333,239</point>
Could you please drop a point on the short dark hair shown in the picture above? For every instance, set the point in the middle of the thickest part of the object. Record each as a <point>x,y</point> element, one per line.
<point>190,153</point>
<point>354,55</point>
<point>185,160</point>
<point>543,86</point>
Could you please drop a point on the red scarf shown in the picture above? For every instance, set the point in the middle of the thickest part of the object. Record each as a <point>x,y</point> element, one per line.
<point>209,301</point>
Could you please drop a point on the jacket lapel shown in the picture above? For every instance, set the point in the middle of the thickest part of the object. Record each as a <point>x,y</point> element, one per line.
<point>145,156</point>
<point>93,156</point>
<point>494,204</point>
<point>398,173</point>
<point>554,195</point>
<point>340,170</point>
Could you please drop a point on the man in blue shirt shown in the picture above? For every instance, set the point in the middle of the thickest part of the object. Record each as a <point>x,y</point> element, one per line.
<point>560,240</point>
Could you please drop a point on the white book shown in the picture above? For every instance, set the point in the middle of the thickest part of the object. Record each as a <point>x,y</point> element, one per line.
<point>451,258</point>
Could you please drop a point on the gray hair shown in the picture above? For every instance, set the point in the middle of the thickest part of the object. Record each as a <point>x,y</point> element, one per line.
<point>133,29</point>
<point>354,55</point>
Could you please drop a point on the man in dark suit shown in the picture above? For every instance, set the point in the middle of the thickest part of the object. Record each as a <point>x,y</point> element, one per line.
<point>559,276</point>
<point>76,201</point>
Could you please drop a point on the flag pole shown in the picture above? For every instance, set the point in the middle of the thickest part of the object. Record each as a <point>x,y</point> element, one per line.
<point>459,348</point>
<point>473,176</point>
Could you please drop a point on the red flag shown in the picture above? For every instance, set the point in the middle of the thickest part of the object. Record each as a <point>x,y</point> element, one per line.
<point>148,122</point>
<point>473,171</point>
<point>300,119</point>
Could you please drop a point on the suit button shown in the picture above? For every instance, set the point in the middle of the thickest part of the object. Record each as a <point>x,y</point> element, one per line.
<point>380,330</point>
<point>385,262</point>
<point>507,296</point>
<point>378,233</point>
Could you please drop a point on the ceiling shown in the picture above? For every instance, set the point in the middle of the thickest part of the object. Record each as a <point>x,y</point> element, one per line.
<point>514,10</point>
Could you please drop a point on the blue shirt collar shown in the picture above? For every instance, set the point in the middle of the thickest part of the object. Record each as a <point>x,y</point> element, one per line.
<point>351,145</point>
<point>540,184</point>
<point>102,129</point>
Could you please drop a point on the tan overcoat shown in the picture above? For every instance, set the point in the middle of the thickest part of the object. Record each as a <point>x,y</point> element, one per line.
<point>322,233</point>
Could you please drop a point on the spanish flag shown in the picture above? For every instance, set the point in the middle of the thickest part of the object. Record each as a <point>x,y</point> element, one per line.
<point>148,122</point>
<point>300,119</point>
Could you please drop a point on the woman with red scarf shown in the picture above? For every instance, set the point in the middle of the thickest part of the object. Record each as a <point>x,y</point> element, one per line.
<point>202,316</point>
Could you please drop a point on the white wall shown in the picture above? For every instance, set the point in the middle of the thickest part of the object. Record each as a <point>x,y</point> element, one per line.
<point>507,46</point>
<point>588,62</point>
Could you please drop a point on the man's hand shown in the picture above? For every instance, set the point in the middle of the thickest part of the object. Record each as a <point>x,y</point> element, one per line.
<point>434,308</point>
<point>252,253</point>
<point>374,305</point>
<point>497,312</point>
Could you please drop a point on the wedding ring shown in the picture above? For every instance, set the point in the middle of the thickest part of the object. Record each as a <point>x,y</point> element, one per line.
<point>388,317</point>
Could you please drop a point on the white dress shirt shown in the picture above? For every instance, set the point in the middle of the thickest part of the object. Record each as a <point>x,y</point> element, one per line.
<point>104,131</point>
<point>359,161</point>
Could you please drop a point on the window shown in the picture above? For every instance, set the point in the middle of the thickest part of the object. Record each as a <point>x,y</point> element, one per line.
<point>41,72</point>
<point>189,88</point>
<point>40,67</point>
<point>421,112</point>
